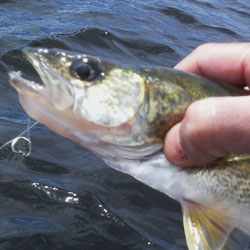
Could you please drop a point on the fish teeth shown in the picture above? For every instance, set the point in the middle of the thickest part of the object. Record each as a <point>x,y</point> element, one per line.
<point>16,76</point>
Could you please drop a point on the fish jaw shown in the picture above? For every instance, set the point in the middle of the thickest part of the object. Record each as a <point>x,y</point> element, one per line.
<point>36,102</point>
<point>25,86</point>
<point>42,101</point>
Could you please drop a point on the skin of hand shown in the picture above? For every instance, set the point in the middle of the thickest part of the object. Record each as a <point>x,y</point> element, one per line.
<point>217,126</point>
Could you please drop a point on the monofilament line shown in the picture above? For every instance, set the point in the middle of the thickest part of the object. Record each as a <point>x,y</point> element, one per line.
<point>14,141</point>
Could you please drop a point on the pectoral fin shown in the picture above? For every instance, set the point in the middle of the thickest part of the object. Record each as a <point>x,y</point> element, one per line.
<point>209,229</point>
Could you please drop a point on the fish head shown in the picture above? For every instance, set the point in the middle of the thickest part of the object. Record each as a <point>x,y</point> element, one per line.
<point>80,95</point>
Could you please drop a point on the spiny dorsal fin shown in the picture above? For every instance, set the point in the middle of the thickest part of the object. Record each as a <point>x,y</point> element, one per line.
<point>209,229</point>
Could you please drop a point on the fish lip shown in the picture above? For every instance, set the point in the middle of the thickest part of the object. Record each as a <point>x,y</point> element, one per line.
<point>43,69</point>
<point>26,53</point>
<point>33,53</point>
<point>22,84</point>
<point>34,56</point>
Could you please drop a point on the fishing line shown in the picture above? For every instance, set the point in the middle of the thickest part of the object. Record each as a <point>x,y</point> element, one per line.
<point>21,136</point>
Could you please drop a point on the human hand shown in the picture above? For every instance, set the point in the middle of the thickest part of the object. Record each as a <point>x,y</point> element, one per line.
<point>217,126</point>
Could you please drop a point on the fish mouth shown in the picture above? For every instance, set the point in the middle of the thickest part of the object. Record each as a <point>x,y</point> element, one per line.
<point>24,85</point>
<point>54,88</point>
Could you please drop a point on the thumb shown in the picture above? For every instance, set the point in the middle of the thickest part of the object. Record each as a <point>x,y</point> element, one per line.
<point>212,128</point>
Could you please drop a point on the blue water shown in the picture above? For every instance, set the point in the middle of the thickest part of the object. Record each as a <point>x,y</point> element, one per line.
<point>62,196</point>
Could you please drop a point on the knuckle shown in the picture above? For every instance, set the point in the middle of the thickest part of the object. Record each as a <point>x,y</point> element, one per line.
<point>196,126</point>
<point>203,48</point>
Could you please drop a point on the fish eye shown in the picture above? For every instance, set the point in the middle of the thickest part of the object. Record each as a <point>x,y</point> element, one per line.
<point>85,69</point>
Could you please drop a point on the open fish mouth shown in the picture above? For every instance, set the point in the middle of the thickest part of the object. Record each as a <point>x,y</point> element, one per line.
<point>53,87</point>
<point>24,85</point>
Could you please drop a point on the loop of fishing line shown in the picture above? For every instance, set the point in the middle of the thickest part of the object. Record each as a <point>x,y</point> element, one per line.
<point>14,141</point>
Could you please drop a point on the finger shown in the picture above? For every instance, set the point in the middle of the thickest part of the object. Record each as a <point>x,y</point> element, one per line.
<point>228,62</point>
<point>212,128</point>
<point>173,149</point>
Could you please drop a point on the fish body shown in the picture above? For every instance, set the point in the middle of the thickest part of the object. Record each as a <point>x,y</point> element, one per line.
<point>122,115</point>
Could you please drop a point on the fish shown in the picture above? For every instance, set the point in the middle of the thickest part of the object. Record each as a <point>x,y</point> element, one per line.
<point>121,113</point>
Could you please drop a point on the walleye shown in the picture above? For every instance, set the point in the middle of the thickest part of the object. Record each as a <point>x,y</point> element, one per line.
<point>122,115</point>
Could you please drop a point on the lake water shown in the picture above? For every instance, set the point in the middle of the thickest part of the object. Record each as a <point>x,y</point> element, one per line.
<point>62,196</point>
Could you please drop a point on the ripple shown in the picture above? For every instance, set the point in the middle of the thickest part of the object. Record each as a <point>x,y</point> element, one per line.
<point>181,15</point>
<point>243,13</point>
